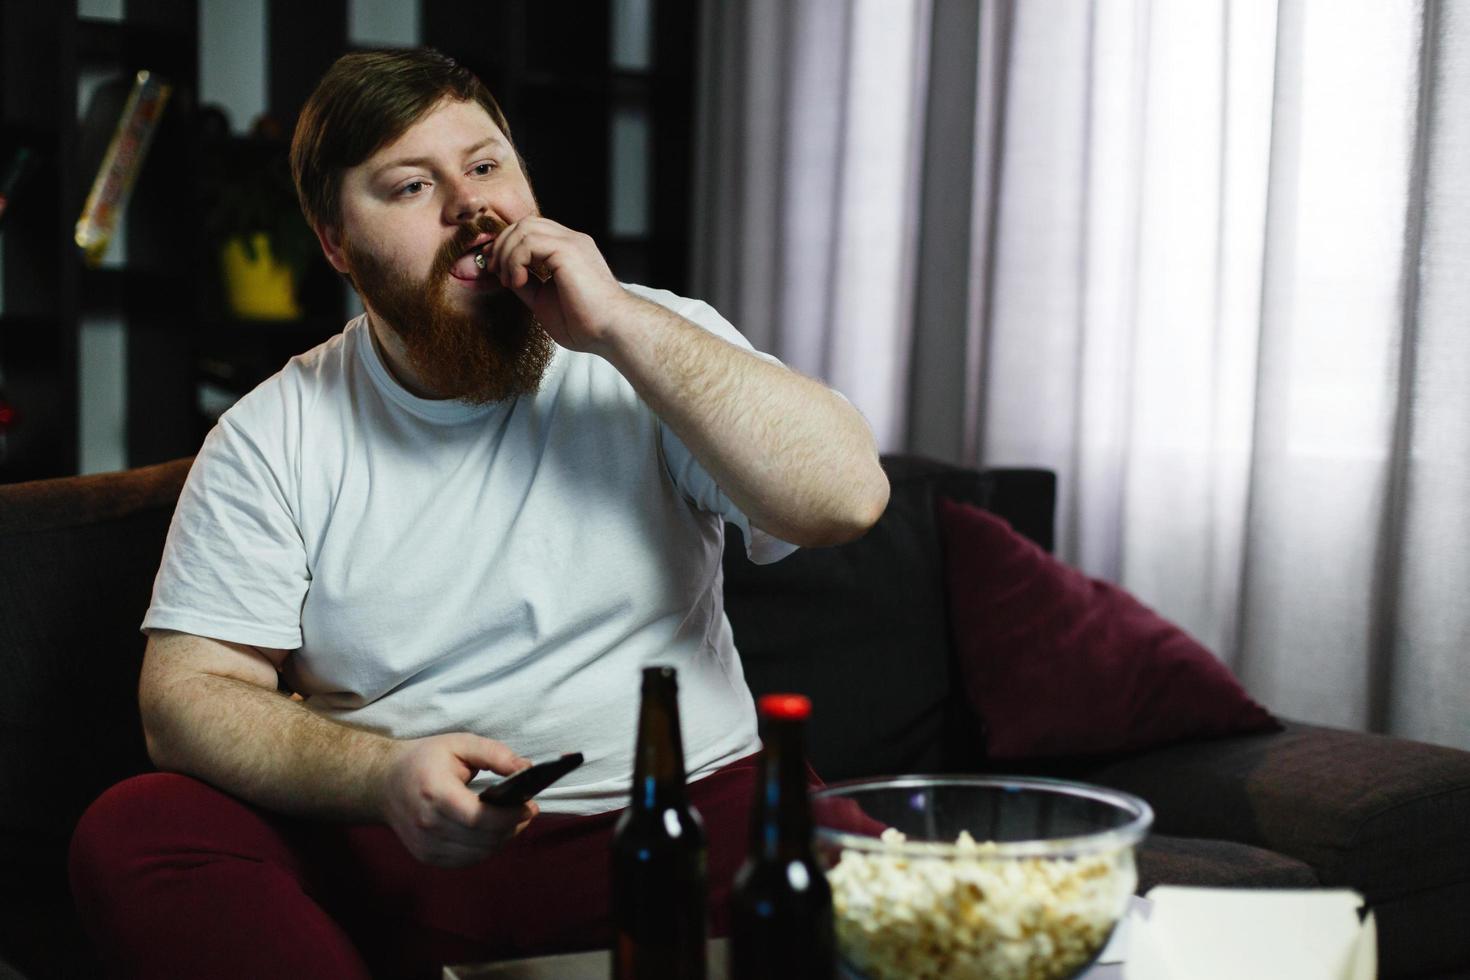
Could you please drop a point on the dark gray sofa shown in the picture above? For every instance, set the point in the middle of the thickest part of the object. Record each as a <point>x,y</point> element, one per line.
<point>861,628</point>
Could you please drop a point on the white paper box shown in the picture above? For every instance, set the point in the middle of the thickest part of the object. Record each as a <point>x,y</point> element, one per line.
<point>1230,933</point>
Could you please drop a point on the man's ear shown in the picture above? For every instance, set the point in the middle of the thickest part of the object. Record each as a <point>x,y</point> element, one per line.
<point>331,240</point>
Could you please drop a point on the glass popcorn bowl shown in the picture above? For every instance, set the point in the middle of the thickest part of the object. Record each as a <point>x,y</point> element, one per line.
<point>976,876</point>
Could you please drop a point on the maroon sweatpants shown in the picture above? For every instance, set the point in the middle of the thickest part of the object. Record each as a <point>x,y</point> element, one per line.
<point>173,878</point>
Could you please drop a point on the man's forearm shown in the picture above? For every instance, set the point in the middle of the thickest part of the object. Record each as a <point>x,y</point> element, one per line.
<point>266,748</point>
<point>796,458</point>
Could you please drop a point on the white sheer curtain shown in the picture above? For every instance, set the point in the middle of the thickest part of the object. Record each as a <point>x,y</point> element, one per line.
<point>1210,261</point>
<point>807,185</point>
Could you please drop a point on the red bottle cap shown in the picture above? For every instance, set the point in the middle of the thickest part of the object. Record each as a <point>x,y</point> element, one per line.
<point>786,707</point>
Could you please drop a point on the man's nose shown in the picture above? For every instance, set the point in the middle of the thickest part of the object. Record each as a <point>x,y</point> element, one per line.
<point>468,201</point>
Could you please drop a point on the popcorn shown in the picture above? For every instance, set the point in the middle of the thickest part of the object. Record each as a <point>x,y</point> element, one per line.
<point>972,913</point>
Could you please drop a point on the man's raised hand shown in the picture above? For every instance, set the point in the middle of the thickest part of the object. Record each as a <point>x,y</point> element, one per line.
<point>580,301</point>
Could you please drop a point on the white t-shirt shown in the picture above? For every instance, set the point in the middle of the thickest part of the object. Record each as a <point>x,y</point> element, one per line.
<point>434,566</point>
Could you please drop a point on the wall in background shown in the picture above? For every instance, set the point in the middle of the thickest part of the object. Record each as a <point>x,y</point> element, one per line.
<point>233,50</point>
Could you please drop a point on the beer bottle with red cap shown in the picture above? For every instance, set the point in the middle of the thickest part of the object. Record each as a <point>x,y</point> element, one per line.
<point>781,912</point>
<point>659,888</point>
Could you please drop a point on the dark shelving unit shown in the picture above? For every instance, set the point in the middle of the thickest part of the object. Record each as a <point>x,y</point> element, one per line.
<point>549,63</point>
<point>38,336</point>
<point>48,288</point>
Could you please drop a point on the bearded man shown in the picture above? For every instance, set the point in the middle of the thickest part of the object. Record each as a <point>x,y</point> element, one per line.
<point>456,531</point>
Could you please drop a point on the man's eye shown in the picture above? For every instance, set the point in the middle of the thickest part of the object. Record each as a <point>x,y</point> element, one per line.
<point>410,188</point>
<point>484,168</point>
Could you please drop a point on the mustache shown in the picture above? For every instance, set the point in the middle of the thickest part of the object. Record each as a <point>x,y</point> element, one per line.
<point>464,237</point>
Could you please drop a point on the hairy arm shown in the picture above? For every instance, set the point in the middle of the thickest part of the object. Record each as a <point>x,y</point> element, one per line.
<point>796,458</point>
<point>211,710</point>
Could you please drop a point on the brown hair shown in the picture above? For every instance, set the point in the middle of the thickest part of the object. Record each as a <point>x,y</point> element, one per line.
<point>365,101</point>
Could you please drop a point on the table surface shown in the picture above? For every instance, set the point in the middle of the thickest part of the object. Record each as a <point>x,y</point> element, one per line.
<point>597,965</point>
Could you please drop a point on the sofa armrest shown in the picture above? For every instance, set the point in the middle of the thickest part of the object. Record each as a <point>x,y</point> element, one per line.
<point>1384,815</point>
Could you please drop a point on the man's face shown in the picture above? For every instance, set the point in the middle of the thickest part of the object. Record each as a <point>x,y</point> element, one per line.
<point>410,214</point>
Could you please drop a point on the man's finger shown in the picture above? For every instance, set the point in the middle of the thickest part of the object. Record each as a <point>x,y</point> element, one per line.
<point>528,812</point>
<point>504,820</point>
<point>461,808</point>
<point>477,752</point>
<point>512,251</point>
<point>469,830</point>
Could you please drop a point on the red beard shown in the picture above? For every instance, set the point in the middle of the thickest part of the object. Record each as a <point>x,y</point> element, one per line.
<point>497,352</point>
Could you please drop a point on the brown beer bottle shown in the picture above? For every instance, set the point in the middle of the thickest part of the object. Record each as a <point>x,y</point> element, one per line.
<point>781,911</point>
<point>659,859</point>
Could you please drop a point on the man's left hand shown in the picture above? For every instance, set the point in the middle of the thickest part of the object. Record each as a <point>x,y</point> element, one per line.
<point>581,300</point>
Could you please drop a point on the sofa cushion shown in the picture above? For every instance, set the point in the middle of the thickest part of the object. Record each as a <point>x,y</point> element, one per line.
<point>1060,664</point>
<point>1387,816</point>
<point>1423,935</point>
<point>861,628</point>
<point>1202,863</point>
<point>77,560</point>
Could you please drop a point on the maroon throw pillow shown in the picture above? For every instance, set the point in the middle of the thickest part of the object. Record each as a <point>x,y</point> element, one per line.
<point>1059,664</point>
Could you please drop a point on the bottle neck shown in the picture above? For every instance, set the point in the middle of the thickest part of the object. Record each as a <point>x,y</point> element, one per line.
<point>781,824</point>
<point>658,768</point>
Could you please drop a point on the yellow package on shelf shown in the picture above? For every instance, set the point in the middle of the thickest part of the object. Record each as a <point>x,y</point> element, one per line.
<point>120,165</point>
